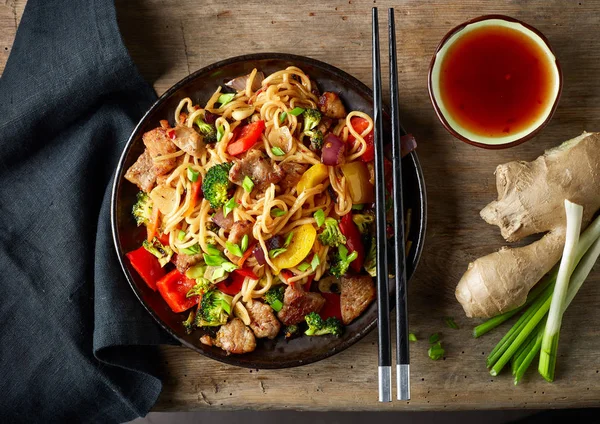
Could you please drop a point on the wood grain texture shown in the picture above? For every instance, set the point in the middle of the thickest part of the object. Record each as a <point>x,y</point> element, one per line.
<point>170,40</point>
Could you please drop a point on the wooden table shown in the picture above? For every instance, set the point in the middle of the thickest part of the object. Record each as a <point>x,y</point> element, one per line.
<point>170,40</point>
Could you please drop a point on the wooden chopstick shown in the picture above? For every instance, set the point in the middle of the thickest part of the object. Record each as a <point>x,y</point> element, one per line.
<point>402,351</point>
<point>383,309</point>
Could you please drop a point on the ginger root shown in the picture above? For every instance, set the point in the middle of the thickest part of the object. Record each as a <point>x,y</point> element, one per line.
<point>530,201</point>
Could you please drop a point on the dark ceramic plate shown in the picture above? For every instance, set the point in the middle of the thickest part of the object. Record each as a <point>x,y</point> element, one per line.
<point>277,353</point>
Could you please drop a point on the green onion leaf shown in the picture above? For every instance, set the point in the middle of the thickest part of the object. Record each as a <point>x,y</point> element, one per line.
<point>315,262</point>
<point>276,252</point>
<point>229,206</point>
<point>218,273</point>
<point>213,260</point>
<point>436,351</point>
<point>277,151</point>
<point>358,207</point>
<point>434,338</point>
<point>220,132</point>
<point>248,184</point>
<point>225,98</point>
<point>213,250</point>
<point>192,250</point>
<point>296,111</point>
<point>234,249</point>
<point>450,323</point>
<point>244,243</point>
<point>181,235</point>
<point>303,266</point>
<point>276,212</point>
<point>228,266</point>
<point>319,217</point>
<point>288,239</point>
<point>192,174</point>
<point>282,117</point>
<point>412,337</point>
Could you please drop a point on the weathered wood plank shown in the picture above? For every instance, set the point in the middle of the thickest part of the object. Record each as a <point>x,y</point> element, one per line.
<point>168,41</point>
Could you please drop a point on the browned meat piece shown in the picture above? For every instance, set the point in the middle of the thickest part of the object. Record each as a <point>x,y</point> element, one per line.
<point>264,323</point>
<point>142,172</point>
<point>183,261</point>
<point>235,337</point>
<point>331,105</point>
<point>188,140</point>
<point>325,124</point>
<point>297,304</point>
<point>222,221</point>
<point>261,170</point>
<point>206,340</point>
<point>357,293</point>
<point>159,144</point>
<point>292,173</point>
<point>238,230</point>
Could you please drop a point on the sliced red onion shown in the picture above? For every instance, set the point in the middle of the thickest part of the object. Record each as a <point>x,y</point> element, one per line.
<point>407,144</point>
<point>239,83</point>
<point>333,151</point>
<point>210,118</point>
<point>259,255</point>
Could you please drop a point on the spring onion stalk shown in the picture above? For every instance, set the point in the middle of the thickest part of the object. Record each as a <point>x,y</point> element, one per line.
<point>582,271</point>
<point>567,264</point>
<point>528,359</point>
<point>520,354</point>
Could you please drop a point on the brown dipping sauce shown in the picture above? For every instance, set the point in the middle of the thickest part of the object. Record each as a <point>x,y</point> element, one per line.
<point>496,81</point>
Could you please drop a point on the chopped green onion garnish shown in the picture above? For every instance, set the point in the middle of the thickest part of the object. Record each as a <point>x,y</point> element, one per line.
<point>436,351</point>
<point>288,239</point>
<point>358,207</point>
<point>276,252</point>
<point>282,117</point>
<point>412,337</point>
<point>278,212</point>
<point>181,235</point>
<point>244,243</point>
<point>315,262</point>
<point>229,206</point>
<point>213,250</point>
<point>303,266</point>
<point>228,266</point>
<point>434,338</point>
<point>450,323</point>
<point>277,151</point>
<point>192,174</point>
<point>248,184</point>
<point>296,111</point>
<point>225,98</point>
<point>234,249</point>
<point>218,273</point>
<point>220,132</point>
<point>213,260</point>
<point>192,250</point>
<point>319,217</point>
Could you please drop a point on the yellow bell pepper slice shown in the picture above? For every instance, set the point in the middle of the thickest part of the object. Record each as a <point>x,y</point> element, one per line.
<point>300,246</point>
<point>312,177</point>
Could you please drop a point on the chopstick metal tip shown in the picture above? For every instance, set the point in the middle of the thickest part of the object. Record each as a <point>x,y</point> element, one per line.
<point>403,381</point>
<point>385,384</point>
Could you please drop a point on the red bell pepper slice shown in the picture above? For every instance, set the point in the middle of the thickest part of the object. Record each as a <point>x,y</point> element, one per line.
<point>246,272</point>
<point>353,241</point>
<point>247,138</point>
<point>332,307</point>
<point>359,125</point>
<point>196,193</point>
<point>173,287</point>
<point>234,283</point>
<point>146,265</point>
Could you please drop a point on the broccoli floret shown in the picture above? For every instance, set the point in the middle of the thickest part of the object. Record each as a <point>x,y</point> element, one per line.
<point>371,259</point>
<point>189,322</point>
<point>316,139</point>
<point>215,185</point>
<point>341,261</point>
<point>274,297</point>
<point>208,131</point>
<point>317,326</point>
<point>215,308</point>
<point>142,210</point>
<point>163,253</point>
<point>364,221</point>
<point>291,331</point>
<point>312,117</point>
<point>202,286</point>
<point>332,235</point>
